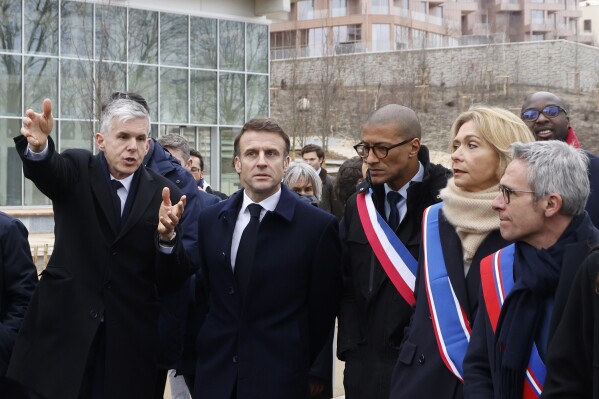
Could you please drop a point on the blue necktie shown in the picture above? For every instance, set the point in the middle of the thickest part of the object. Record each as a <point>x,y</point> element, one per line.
<point>393,197</point>
<point>247,246</point>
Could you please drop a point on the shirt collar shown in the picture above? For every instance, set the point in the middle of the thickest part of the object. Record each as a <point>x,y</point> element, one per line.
<point>418,177</point>
<point>269,204</point>
<point>126,182</point>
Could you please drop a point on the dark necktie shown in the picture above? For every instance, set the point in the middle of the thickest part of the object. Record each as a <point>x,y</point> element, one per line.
<point>117,199</point>
<point>246,249</point>
<point>393,197</point>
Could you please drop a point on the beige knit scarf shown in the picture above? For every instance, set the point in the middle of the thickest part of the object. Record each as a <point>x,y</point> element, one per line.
<point>471,215</point>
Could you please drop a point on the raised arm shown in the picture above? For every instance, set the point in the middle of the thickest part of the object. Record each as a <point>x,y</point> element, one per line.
<point>37,127</point>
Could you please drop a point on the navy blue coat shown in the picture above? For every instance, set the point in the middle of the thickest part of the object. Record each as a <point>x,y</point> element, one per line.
<point>592,207</point>
<point>481,379</point>
<point>419,360</point>
<point>264,344</point>
<point>18,278</point>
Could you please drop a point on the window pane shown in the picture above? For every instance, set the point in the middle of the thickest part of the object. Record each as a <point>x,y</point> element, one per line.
<point>257,48</point>
<point>143,36</point>
<point>109,77</point>
<point>76,135</point>
<point>257,96</point>
<point>232,93</point>
<point>76,29</point>
<point>203,146</point>
<point>229,180</point>
<point>76,87</point>
<point>232,47</point>
<point>111,32</point>
<point>173,39</point>
<point>10,28</point>
<point>144,80</point>
<point>173,95</point>
<point>203,97</point>
<point>10,85</point>
<point>40,81</point>
<point>41,26</point>
<point>203,42</point>
<point>10,164</point>
<point>33,196</point>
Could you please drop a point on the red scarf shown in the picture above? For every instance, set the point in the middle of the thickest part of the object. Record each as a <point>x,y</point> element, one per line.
<point>572,139</point>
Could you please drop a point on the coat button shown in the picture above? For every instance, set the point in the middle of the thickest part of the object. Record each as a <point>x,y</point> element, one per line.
<point>231,290</point>
<point>93,314</point>
<point>421,359</point>
<point>235,359</point>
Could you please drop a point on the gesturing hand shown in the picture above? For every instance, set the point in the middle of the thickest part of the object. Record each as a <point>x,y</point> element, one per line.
<point>37,127</point>
<point>169,215</point>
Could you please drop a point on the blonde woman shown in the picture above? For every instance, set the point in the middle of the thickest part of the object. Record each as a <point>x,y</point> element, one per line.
<point>457,234</point>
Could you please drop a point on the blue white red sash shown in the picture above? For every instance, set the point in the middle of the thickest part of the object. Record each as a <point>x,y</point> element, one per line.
<point>397,261</point>
<point>450,322</point>
<point>497,279</point>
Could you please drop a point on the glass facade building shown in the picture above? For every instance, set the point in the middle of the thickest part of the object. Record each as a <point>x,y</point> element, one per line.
<point>203,77</point>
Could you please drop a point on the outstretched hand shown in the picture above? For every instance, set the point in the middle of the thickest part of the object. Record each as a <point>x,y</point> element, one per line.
<point>37,127</point>
<point>169,215</point>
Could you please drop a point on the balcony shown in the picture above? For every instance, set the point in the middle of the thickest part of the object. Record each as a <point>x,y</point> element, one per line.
<point>468,6</point>
<point>402,12</point>
<point>539,27</point>
<point>508,5</point>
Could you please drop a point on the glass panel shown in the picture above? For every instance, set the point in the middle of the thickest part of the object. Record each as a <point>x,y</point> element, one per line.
<point>229,180</point>
<point>203,146</point>
<point>10,85</point>
<point>189,132</point>
<point>173,39</point>
<point>232,94</point>
<point>33,196</point>
<point>76,29</point>
<point>173,95</point>
<point>41,81</point>
<point>111,32</point>
<point>41,26</point>
<point>232,49</point>
<point>76,86</point>
<point>10,28</point>
<point>380,37</point>
<point>203,97</point>
<point>144,81</point>
<point>257,96</point>
<point>10,164</point>
<point>380,6</point>
<point>76,135</point>
<point>109,77</point>
<point>203,42</point>
<point>143,36</point>
<point>257,48</point>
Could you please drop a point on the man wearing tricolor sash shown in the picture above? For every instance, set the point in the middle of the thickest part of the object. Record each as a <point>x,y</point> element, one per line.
<point>382,242</point>
<point>525,285</point>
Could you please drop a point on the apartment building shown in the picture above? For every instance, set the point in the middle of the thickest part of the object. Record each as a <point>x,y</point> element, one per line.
<point>588,23</point>
<point>325,27</point>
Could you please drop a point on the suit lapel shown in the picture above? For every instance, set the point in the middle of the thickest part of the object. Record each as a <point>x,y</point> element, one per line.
<point>102,192</point>
<point>143,198</point>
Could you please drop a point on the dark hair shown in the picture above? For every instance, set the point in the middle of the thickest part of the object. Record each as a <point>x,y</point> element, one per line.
<point>126,95</point>
<point>196,153</point>
<point>313,148</point>
<point>349,174</point>
<point>261,125</point>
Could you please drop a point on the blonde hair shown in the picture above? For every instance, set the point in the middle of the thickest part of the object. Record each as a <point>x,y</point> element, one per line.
<point>498,127</point>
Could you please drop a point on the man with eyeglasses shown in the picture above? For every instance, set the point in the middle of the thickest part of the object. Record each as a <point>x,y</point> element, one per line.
<point>197,171</point>
<point>547,117</point>
<point>525,285</point>
<point>401,183</point>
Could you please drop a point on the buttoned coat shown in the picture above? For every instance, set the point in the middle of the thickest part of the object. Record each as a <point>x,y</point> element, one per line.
<point>262,345</point>
<point>96,274</point>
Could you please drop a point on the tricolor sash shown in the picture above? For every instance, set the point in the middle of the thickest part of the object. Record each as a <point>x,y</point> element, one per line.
<point>397,261</point>
<point>497,279</point>
<point>450,322</point>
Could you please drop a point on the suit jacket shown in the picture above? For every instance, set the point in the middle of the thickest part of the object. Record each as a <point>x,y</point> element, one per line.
<point>592,208</point>
<point>263,344</point>
<point>419,360</point>
<point>18,277</point>
<point>481,376</point>
<point>328,199</point>
<point>97,274</point>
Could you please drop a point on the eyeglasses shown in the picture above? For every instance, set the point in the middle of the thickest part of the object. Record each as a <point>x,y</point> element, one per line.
<point>380,151</point>
<point>550,111</point>
<point>194,169</point>
<point>507,192</point>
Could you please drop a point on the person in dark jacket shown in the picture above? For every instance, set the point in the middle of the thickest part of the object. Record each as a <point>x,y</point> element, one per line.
<point>573,355</point>
<point>313,155</point>
<point>18,277</point>
<point>464,230</point>
<point>547,117</point>
<point>526,284</point>
<point>373,314</point>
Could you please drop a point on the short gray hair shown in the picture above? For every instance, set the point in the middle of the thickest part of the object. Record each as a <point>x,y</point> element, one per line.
<point>556,167</point>
<point>122,110</point>
<point>176,142</point>
<point>299,171</point>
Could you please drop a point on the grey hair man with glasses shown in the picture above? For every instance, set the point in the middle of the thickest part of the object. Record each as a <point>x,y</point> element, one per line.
<point>541,210</point>
<point>401,183</point>
<point>547,117</point>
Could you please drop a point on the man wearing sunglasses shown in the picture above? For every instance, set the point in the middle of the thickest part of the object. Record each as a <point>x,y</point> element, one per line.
<point>401,183</point>
<point>547,117</point>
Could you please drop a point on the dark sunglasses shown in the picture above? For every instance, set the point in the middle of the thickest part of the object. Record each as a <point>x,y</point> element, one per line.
<point>380,151</point>
<point>550,111</point>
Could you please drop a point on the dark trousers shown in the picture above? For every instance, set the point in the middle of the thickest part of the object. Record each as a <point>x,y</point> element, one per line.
<point>92,386</point>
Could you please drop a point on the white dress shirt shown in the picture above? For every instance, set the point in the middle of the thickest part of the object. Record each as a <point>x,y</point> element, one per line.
<point>402,206</point>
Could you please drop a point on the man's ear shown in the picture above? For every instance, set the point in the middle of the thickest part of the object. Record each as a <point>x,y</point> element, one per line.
<point>286,161</point>
<point>237,164</point>
<point>415,147</point>
<point>553,204</point>
<point>100,141</point>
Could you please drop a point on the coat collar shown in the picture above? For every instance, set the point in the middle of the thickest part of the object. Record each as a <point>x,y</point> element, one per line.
<point>285,208</point>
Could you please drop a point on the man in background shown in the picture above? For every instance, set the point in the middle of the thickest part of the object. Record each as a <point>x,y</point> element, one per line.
<point>197,170</point>
<point>313,155</point>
